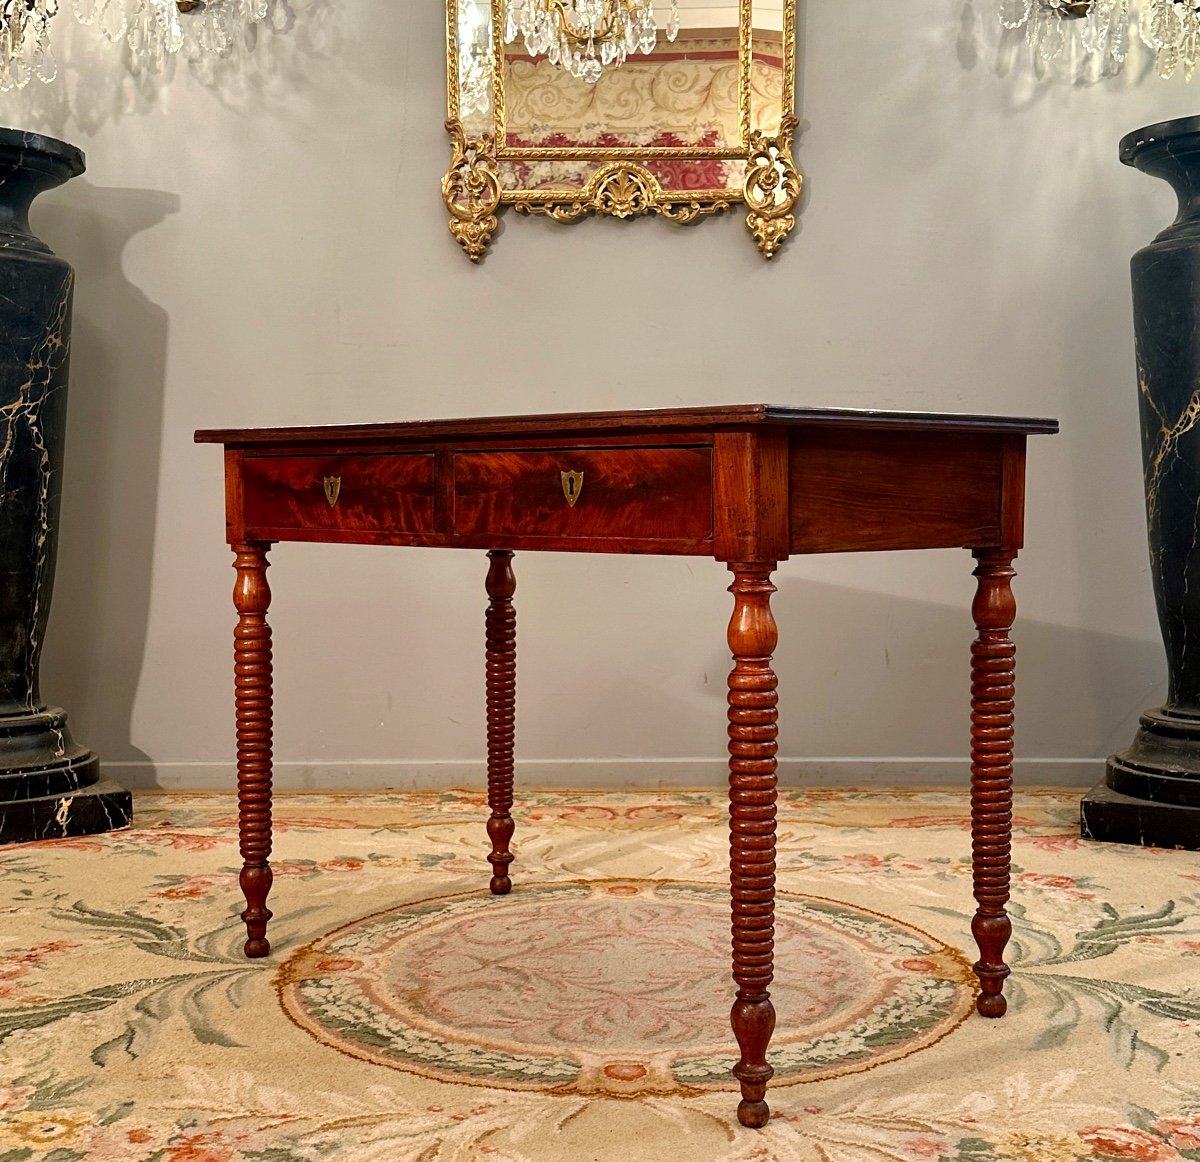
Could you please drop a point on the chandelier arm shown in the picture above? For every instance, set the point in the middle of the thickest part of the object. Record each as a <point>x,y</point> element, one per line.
<point>605,26</point>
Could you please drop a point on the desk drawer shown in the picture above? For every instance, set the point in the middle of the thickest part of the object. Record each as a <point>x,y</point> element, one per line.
<point>635,494</point>
<point>371,493</point>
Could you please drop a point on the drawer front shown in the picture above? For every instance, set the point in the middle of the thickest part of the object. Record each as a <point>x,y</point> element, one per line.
<point>634,494</point>
<point>369,493</point>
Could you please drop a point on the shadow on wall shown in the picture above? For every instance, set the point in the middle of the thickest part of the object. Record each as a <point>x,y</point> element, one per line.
<point>97,633</point>
<point>100,82</point>
<point>870,684</point>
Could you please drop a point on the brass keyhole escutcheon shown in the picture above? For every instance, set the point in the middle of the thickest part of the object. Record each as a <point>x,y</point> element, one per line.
<point>333,489</point>
<point>572,486</point>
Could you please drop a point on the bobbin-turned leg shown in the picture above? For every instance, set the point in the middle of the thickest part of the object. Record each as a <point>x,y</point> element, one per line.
<point>993,658</point>
<point>501,711</point>
<point>752,747</point>
<point>252,687</point>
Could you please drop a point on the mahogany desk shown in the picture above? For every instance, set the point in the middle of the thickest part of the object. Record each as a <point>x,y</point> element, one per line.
<point>748,485</point>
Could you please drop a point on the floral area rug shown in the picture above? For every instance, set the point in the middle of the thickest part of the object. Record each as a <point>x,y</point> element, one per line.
<point>406,1015</point>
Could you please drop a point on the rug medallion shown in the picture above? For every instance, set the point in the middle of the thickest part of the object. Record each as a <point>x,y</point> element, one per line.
<point>619,988</point>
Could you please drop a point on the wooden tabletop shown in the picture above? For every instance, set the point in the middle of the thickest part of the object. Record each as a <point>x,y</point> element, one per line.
<point>649,419</point>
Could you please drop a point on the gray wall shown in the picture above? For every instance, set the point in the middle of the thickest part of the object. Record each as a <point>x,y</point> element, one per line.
<point>268,246</point>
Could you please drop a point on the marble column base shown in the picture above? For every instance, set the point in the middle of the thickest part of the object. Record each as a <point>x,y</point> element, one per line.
<point>50,786</point>
<point>1151,793</point>
<point>103,806</point>
<point>1111,817</point>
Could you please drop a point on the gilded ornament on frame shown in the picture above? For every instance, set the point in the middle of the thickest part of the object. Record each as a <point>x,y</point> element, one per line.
<point>698,125</point>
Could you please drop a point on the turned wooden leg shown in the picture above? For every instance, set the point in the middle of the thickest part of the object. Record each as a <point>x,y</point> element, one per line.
<point>752,747</point>
<point>501,711</point>
<point>993,658</point>
<point>252,686</point>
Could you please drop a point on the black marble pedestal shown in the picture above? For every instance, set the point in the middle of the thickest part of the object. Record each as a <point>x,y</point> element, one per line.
<point>1151,792</point>
<point>50,786</point>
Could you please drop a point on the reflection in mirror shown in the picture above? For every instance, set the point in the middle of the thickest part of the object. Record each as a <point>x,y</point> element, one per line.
<point>683,92</point>
<point>768,68</point>
<point>585,37</point>
<point>570,107</point>
<point>474,42</point>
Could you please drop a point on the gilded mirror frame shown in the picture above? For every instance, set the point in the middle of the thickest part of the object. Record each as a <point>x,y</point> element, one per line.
<point>483,175</point>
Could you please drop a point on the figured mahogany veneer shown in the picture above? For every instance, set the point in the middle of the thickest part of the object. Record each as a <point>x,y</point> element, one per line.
<point>377,493</point>
<point>748,485</point>
<point>652,494</point>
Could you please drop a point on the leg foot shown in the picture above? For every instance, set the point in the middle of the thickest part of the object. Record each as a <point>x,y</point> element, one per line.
<point>753,1114</point>
<point>991,935</point>
<point>256,884</point>
<point>753,1023</point>
<point>500,830</point>
<point>993,1005</point>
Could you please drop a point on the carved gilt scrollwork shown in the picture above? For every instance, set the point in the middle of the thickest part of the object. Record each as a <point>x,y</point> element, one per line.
<point>621,189</point>
<point>471,190</point>
<point>772,188</point>
<point>624,191</point>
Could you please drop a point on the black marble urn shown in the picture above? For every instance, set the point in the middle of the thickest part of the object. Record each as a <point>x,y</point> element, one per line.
<point>50,786</point>
<point>1151,792</point>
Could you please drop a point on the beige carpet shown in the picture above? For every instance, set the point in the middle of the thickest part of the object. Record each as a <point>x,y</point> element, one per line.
<point>407,1016</point>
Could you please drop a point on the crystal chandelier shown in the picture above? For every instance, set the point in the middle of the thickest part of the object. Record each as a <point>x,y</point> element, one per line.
<point>1169,28</point>
<point>1102,26</point>
<point>586,36</point>
<point>152,29</point>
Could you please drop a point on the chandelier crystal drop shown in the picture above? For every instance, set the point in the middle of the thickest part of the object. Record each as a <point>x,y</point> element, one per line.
<point>157,29</point>
<point>1172,30</point>
<point>25,43</point>
<point>585,37</point>
<point>1169,28</point>
<point>1100,26</point>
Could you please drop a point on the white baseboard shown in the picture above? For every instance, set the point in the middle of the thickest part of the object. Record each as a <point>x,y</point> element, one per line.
<point>615,772</point>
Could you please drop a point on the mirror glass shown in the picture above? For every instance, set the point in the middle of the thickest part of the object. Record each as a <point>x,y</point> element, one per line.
<point>769,68</point>
<point>471,42</point>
